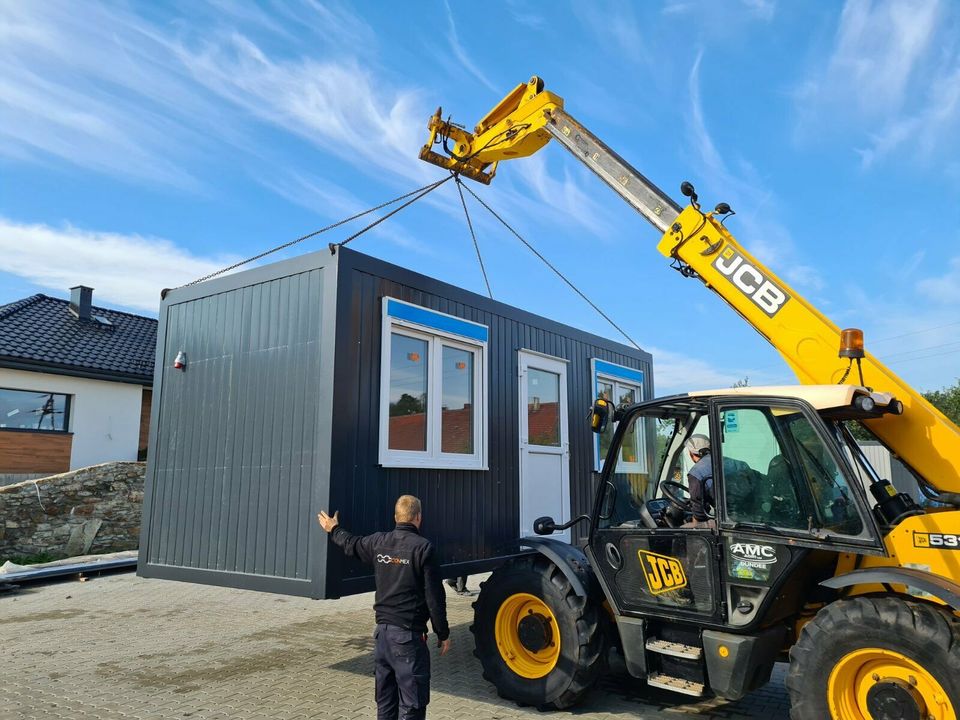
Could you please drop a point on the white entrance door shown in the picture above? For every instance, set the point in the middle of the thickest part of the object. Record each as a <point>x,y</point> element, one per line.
<point>544,442</point>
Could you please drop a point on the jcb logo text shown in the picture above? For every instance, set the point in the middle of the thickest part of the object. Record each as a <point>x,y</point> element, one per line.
<point>766,294</point>
<point>663,573</point>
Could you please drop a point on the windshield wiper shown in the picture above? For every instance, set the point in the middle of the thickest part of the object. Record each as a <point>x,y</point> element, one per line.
<point>761,525</point>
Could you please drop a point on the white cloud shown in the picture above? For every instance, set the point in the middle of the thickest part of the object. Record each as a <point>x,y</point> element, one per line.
<point>878,47</point>
<point>911,325</point>
<point>108,90</point>
<point>927,130</point>
<point>564,197</point>
<point>89,87</point>
<point>762,9</point>
<point>128,270</point>
<point>945,288</point>
<point>804,276</point>
<point>698,126</point>
<point>615,28</point>
<point>891,80</point>
<point>759,9</point>
<point>678,7</point>
<point>528,19</point>
<point>329,200</point>
<point>461,54</point>
<point>679,373</point>
<point>339,106</point>
<point>756,224</point>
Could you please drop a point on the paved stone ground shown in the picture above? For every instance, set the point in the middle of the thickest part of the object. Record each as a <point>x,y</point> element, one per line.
<point>124,647</point>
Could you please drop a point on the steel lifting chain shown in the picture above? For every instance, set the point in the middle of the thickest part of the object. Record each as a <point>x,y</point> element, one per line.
<point>419,193</point>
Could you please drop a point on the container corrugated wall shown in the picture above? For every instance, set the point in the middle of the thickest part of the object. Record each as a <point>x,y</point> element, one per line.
<point>240,445</point>
<point>890,468</point>
<point>277,416</point>
<point>472,515</point>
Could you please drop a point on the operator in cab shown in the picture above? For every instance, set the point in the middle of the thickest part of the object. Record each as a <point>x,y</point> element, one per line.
<point>700,481</point>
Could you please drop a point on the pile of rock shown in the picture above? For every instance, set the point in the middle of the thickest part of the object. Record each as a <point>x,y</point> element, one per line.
<point>91,510</point>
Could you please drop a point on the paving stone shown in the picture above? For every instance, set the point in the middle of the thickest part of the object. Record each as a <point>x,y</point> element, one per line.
<point>126,647</point>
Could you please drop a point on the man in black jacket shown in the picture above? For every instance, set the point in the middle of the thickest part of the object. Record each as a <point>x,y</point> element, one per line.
<point>408,592</point>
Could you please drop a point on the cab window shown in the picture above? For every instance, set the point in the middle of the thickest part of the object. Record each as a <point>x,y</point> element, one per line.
<point>659,434</point>
<point>633,483</point>
<point>778,471</point>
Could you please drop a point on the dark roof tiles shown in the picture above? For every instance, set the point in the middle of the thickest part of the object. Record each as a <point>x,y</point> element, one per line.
<point>42,329</point>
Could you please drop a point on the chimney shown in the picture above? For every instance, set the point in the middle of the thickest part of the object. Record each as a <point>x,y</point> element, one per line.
<point>81,299</point>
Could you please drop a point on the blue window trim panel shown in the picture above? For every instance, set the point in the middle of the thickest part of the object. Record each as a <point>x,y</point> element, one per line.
<point>618,372</point>
<point>401,310</point>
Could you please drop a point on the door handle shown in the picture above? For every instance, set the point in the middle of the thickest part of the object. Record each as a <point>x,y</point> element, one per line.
<point>613,556</point>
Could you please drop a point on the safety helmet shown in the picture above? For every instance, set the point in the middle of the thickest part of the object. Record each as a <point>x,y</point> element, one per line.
<point>698,444</point>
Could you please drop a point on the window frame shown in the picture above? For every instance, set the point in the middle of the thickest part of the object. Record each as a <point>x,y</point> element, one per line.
<point>619,376</point>
<point>438,330</point>
<point>67,409</point>
<point>870,537</point>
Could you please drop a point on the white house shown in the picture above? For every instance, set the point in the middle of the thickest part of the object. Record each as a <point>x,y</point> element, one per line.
<point>75,383</point>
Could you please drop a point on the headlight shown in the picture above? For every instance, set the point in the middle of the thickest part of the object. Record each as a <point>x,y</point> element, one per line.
<point>865,403</point>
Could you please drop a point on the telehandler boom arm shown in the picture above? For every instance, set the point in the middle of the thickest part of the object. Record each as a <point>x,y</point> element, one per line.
<point>701,247</point>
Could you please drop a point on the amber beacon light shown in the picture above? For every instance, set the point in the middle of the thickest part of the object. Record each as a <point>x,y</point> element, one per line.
<point>851,343</point>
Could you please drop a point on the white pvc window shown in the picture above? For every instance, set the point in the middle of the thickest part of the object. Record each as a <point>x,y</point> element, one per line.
<point>621,386</point>
<point>433,400</point>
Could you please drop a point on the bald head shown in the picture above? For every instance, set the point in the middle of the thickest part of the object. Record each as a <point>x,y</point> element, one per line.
<point>407,509</point>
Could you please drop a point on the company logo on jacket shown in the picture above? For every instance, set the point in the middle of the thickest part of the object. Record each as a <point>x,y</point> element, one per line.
<point>390,560</point>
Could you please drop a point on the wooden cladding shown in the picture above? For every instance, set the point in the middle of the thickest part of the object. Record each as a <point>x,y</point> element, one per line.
<point>34,452</point>
<point>145,406</point>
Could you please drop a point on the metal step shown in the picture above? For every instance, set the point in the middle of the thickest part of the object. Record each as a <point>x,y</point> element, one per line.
<point>665,647</point>
<point>687,687</point>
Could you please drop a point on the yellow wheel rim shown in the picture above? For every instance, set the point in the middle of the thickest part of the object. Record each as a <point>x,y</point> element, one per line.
<point>858,672</point>
<point>527,635</point>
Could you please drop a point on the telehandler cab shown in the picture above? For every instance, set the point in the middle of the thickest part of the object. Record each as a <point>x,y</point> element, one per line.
<point>809,556</point>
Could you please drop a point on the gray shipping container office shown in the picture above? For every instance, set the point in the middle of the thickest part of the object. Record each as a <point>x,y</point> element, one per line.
<point>339,381</point>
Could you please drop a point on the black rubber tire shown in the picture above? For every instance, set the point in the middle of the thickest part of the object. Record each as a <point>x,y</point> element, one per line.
<point>922,632</point>
<point>582,642</point>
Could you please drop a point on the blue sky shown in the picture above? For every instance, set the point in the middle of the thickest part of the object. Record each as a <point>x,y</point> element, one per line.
<point>145,144</point>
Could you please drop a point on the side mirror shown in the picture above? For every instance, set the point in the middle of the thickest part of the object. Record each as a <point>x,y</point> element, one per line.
<point>600,415</point>
<point>544,525</point>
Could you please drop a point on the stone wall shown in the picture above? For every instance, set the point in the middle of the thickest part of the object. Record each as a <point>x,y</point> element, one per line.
<point>11,478</point>
<point>87,511</point>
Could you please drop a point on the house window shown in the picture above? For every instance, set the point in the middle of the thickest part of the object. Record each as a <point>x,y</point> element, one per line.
<point>34,410</point>
<point>621,386</point>
<point>432,390</point>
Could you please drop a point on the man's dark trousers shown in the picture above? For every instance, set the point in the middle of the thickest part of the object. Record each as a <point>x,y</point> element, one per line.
<point>402,673</point>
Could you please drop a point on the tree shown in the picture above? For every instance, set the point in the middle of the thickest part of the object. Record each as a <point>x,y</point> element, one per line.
<point>407,405</point>
<point>947,401</point>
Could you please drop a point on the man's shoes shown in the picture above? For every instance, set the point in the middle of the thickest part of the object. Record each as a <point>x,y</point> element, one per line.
<point>459,585</point>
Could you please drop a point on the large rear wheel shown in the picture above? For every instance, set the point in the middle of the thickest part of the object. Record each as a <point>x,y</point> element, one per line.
<point>876,659</point>
<point>538,643</point>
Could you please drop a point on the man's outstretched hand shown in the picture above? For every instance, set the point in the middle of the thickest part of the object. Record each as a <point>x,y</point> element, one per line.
<point>328,523</point>
<point>444,646</point>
